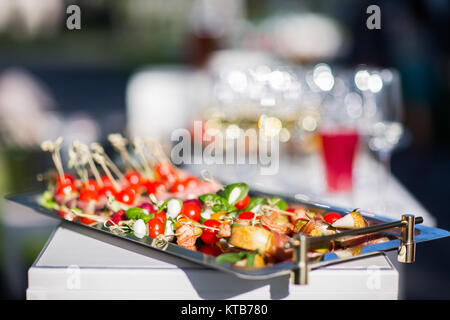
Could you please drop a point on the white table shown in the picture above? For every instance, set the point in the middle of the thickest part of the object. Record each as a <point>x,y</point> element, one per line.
<point>75,265</point>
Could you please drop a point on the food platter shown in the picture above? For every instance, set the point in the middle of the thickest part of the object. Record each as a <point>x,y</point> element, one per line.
<point>251,234</point>
<point>403,236</point>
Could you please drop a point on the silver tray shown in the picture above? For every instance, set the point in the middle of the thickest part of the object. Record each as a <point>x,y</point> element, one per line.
<point>404,233</point>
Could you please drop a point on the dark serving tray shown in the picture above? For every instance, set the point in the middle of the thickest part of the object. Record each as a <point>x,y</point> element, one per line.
<point>391,230</point>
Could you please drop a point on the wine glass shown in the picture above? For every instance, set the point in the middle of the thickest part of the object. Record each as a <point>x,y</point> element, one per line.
<point>381,123</point>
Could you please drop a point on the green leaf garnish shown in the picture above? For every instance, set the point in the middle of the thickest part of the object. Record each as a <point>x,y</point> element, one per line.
<point>138,213</point>
<point>228,190</point>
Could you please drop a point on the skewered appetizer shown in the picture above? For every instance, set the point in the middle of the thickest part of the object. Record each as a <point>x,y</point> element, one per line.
<point>152,198</point>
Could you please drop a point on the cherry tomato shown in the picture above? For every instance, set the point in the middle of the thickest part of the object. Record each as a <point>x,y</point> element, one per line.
<point>91,185</point>
<point>107,191</point>
<point>66,179</point>
<point>243,203</point>
<point>67,215</point>
<point>290,210</point>
<point>117,216</point>
<point>126,196</point>
<point>135,188</point>
<point>87,221</point>
<point>106,181</point>
<point>177,187</point>
<point>155,187</point>
<point>211,250</point>
<point>88,195</point>
<point>247,215</point>
<point>66,189</point>
<point>331,217</point>
<point>166,171</point>
<point>191,211</point>
<point>161,216</point>
<point>190,182</point>
<point>195,201</point>
<point>155,227</point>
<point>210,236</point>
<point>133,177</point>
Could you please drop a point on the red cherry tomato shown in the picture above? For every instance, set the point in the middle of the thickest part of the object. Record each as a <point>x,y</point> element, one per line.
<point>209,236</point>
<point>87,221</point>
<point>155,227</point>
<point>191,211</point>
<point>243,203</point>
<point>66,179</point>
<point>126,196</point>
<point>211,250</point>
<point>182,185</point>
<point>107,191</point>
<point>161,216</point>
<point>66,189</point>
<point>67,215</point>
<point>88,195</point>
<point>195,201</point>
<point>91,185</point>
<point>155,187</point>
<point>247,215</point>
<point>331,217</point>
<point>133,177</point>
<point>290,210</point>
<point>177,187</point>
<point>166,171</point>
<point>106,181</point>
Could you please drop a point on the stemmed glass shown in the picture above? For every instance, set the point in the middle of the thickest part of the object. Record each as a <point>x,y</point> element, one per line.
<point>382,119</point>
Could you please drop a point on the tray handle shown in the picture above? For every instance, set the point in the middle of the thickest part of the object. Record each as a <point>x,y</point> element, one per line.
<point>301,244</point>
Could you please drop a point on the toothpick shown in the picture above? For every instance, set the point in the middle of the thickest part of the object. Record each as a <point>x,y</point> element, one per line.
<point>101,160</point>
<point>208,177</point>
<point>97,148</point>
<point>269,208</point>
<point>54,149</point>
<point>73,163</point>
<point>120,144</point>
<point>84,152</point>
<point>139,151</point>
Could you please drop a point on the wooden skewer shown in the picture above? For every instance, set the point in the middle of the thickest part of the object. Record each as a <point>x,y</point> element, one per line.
<point>100,160</point>
<point>120,144</point>
<point>139,150</point>
<point>269,208</point>
<point>73,163</point>
<point>97,148</point>
<point>84,152</point>
<point>54,149</point>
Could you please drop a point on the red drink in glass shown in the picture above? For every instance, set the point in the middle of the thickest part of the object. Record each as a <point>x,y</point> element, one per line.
<point>338,153</point>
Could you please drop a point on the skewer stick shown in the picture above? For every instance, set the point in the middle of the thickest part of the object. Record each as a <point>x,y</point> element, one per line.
<point>84,152</point>
<point>274,209</point>
<point>120,144</point>
<point>97,148</point>
<point>100,160</point>
<point>199,226</point>
<point>207,176</point>
<point>73,163</point>
<point>90,216</point>
<point>54,149</point>
<point>157,151</point>
<point>139,151</point>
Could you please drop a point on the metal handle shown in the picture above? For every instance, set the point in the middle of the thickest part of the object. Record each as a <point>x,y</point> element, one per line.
<point>301,243</point>
<point>407,249</point>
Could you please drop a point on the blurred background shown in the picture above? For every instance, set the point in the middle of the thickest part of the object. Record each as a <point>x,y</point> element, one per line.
<point>147,67</point>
